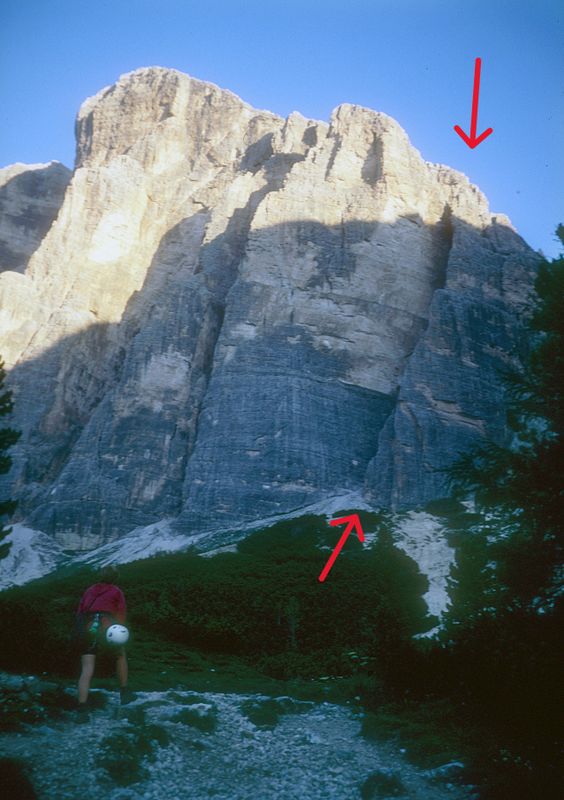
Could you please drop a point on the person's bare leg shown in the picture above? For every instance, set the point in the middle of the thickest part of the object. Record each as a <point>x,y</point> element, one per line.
<point>121,669</point>
<point>88,663</point>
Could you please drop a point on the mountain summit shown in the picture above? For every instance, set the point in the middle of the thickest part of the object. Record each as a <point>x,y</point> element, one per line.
<point>235,315</point>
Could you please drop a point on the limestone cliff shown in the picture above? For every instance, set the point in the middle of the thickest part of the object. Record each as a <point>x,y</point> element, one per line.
<point>30,199</point>
<point>235,315</point>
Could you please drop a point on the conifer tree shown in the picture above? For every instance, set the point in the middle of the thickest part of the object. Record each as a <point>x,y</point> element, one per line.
<point>8,437</point>
<point>512,557</point>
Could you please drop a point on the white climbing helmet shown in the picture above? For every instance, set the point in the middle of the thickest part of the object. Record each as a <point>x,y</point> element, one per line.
<point>117,634</point>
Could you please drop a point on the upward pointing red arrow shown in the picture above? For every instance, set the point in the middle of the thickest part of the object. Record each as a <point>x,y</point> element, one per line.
<point>473,140</point>
<point>353,522</point>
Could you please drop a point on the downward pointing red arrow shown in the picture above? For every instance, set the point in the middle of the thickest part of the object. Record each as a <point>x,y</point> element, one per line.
<point>473,140</point>
<point>353,522</point>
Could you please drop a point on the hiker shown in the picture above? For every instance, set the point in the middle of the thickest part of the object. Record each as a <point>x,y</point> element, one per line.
<point>101,606</point>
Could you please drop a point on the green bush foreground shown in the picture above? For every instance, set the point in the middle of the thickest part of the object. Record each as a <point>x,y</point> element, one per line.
<point>248,620</point>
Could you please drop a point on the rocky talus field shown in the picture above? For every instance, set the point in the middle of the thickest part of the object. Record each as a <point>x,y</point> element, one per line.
<point>182,745</point>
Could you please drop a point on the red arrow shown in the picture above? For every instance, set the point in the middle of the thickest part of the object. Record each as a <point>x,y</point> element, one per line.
<point>473,140</point>
<point>353,522</point>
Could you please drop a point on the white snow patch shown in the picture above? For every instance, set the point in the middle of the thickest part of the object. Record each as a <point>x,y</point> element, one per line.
<point>327,507</point>
<point>423,538</point>
<point>420,535</point>
<point>229,548</point>
<point>32,555</point>
<point>139,543</point>
<point>160,537</point>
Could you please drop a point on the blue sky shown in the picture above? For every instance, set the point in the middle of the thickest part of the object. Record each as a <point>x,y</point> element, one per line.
<point>412,60</point>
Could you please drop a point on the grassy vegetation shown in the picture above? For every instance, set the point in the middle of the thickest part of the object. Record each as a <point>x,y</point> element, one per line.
<point>259,621</point>
<point>263,605</point>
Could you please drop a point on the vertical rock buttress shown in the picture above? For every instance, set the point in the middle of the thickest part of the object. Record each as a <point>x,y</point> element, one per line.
<point>235,315</point>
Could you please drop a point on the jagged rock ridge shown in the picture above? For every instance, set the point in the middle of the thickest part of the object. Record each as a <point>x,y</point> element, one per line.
<point>235,315</point>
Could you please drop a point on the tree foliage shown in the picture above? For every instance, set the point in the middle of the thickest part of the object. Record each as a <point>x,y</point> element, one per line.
<point>8,437</point>
<point>499,657</point>
<point>263,603</point>
<point>513,553</point>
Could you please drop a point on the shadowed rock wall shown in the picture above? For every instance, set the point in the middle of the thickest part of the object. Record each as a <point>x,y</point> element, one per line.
<point>235,315</point>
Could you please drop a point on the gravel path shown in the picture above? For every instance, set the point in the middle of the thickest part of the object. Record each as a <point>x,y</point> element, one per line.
<point>186,746</point>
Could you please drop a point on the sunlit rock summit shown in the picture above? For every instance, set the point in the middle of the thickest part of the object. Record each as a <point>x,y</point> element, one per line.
<point>235,315</point>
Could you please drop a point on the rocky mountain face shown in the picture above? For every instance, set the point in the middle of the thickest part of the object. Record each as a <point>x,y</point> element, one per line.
<point>236,315</point>
<point>30,198</point>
